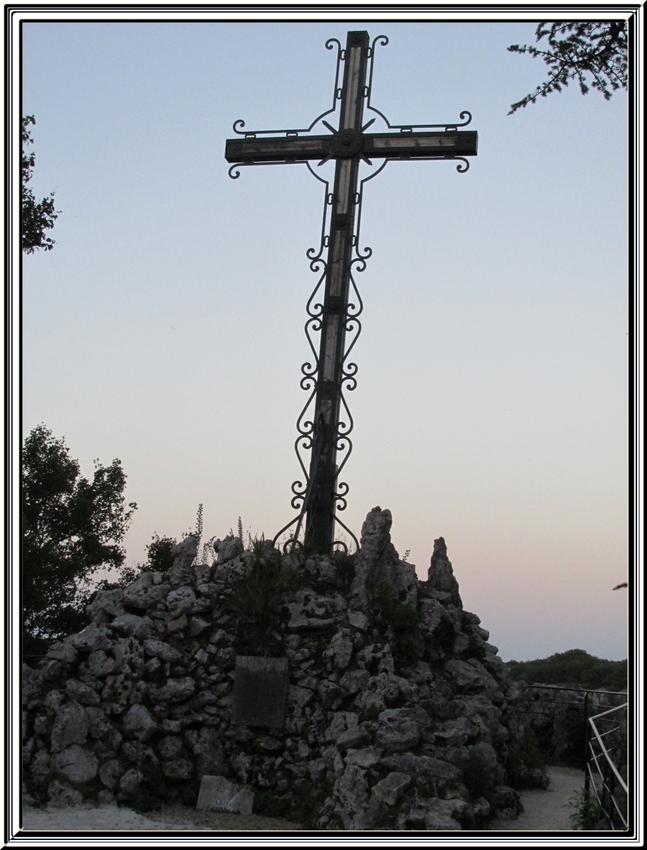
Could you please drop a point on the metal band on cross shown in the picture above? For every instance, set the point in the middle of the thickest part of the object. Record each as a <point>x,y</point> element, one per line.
<point>326,433</point>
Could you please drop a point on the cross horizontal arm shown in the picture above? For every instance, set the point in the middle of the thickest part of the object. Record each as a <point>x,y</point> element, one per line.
<point>351,143</point>
<point>411,145</point>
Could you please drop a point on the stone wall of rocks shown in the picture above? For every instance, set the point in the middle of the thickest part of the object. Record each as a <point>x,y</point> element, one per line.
<point>386,726</point>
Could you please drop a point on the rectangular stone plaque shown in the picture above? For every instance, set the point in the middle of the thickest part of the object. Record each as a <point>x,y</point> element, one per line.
<point>260,691</point>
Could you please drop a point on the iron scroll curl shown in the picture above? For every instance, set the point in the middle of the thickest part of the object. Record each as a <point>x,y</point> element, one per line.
<point>311,425</point>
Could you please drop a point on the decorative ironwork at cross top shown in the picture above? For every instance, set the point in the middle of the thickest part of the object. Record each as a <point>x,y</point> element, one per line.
<point>325,422</point>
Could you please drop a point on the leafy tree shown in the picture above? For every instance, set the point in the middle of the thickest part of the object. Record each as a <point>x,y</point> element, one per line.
<point>37,216</point>
<point>573,668</point>
<point>589,52</point>
<point>71,528</point>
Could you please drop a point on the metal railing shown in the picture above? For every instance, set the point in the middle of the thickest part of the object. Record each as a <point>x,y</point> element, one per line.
<point>606,765</point>
<point>559,714</point>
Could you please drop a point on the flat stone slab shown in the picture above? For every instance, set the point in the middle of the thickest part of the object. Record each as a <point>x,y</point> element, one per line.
<point>217,794</point>
<point>260,691</point>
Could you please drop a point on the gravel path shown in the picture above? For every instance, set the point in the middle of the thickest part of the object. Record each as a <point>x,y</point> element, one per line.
<point>546,809</point>
<point>112,817</point>
<point>543,810</point>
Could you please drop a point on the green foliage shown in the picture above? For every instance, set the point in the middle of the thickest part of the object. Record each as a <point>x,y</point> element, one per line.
<point>594,52</point>
<point>398,618</point>
<point>199,527</point>
<point>37,216</point>
<point>159,554</point>
<point>573,668</point>
<point>344,565</point>
<point>240,531</point>
<point>587,813</point>
<point>256,598</point>
<point>72,527</point>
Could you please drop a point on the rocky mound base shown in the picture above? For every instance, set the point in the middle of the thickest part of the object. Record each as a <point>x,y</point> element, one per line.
<point>399,713</point>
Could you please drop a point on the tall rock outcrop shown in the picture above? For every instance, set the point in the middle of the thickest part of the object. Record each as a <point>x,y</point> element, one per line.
<point>397,711</point>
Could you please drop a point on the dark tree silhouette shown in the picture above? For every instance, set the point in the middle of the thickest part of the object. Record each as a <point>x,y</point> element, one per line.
<point>71,527</point>
<point>37,216</point>
<point>594,54</point>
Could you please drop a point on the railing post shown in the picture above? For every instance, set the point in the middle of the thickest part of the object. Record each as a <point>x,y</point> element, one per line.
<point>587,789</point>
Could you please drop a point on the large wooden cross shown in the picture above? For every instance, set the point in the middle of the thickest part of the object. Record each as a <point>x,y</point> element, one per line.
<point>347,145</point>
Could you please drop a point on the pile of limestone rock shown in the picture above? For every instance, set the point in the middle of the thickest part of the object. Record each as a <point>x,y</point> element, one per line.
<point>398,713</point>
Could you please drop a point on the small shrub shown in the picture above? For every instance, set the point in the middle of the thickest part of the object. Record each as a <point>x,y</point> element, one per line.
<point>256,599</point>
<point>587,813</point>
<point>344,566</point>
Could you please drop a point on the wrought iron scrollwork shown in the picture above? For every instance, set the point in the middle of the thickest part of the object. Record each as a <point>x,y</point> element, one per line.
<point>343,144</point>
<point>239,124</point>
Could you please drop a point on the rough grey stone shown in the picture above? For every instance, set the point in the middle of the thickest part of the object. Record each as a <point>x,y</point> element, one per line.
<point>358,620</point>
<point>133,626</point>
<point>228,549</point>
<point>467,678</point>
<point>160,649</point>
<point>92,638</point>
<point>63,796</point>
<point>384,795</point>
<point>441,814</point>
<point>146,591</point>
<point>175,690</point>
<point>139,723</point>
<point>340,650</point>
<point>356,736</point>
<point>350,793</point>
<point>39,766</point>
<point>130,782</point>
<point>110,773</point>
<point>170,747</point>
<point>77,764</point>
<point>341,721</point>
<point>177,769</point>
<point>375,555</point>
<point>299,697</point>
<point>430,613</point>
<point>353,681</point>
<point>506,801</point>
<point>32,683</point>
<point>184,555</point>
<point>441,575</point>
<point>422,766</point>
<point>404,582</point>
<point>100,664</point>
<point>309,610</point>
<point>63,651</point>
<point>365,758</point>
<point>108,602</point>
<point>70,727</point>
<point>180,601</point>
<point>454,733</point>
<point>197,625</point>
<point>397,730</point>
<point>81,693</point>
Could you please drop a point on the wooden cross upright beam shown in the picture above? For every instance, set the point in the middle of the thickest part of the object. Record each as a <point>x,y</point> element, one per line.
<point>348,145</point>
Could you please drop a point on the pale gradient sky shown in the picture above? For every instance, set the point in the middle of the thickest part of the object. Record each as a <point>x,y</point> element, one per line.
<point>166,327</point>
